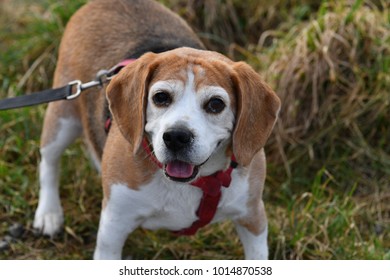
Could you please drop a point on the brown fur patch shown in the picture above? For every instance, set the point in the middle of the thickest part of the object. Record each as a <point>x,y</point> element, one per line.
<point>121,165</point>
<point>256,219</point>
<point>258,107</point>
<point>127,98</point>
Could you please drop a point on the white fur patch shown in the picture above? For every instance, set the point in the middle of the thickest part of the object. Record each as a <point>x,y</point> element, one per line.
<point>255,246</point>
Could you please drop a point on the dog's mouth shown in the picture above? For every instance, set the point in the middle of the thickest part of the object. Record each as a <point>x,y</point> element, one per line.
<point>180,171</point>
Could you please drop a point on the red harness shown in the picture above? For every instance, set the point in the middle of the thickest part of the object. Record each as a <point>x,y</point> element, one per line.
<point>210,185</point>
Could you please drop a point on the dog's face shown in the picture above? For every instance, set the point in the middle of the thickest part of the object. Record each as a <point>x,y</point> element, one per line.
<point>189,104</point>
<point>189,115</point>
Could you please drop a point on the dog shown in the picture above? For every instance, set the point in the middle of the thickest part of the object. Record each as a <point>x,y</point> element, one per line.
<point>186,132</point>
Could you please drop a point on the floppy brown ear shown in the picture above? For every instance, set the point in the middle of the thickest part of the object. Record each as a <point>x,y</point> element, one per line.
<point>257,110</point>
<point>127,94</point>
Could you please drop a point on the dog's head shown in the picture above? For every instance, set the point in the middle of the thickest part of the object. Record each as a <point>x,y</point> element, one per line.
<point>193,106</point>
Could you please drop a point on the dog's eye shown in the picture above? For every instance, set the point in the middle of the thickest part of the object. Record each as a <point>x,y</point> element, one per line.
<point>214,106</point>
<point>162,99</point>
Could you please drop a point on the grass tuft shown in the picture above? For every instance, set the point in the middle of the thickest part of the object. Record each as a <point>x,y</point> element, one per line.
<point>332,74</point>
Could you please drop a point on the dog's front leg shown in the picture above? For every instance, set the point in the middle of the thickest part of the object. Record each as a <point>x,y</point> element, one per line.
<point>112,234</point>
<point>253,232</point>
<point>121,214</point>
<point>255,246</point>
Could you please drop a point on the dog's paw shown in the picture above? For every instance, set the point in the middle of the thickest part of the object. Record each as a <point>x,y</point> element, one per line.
<point>49,223</point>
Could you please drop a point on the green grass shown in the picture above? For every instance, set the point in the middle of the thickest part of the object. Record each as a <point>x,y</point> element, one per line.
<point>328,185</point>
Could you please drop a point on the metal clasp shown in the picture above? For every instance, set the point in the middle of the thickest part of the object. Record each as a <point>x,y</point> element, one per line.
<point>102,77</point>
<point>78,85</point>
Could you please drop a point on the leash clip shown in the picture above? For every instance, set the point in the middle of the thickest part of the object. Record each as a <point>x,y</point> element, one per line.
<point>102,77</point>
<point>78,85</point>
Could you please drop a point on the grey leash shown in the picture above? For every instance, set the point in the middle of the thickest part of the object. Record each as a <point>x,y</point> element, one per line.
<point>68,92</point>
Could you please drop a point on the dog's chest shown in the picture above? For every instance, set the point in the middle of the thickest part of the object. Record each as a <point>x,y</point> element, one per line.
<point>162,205</point>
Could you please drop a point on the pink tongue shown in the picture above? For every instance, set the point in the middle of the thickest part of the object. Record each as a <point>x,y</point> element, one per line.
<point>179,169</point>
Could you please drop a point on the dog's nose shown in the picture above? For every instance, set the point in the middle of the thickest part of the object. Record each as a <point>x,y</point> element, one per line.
<point>177,139</point>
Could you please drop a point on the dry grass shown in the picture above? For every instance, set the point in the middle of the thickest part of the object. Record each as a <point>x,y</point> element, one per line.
<point>226,24</point>
<point>332,74</point>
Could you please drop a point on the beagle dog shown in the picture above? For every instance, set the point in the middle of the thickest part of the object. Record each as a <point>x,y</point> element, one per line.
<point>188,127</point>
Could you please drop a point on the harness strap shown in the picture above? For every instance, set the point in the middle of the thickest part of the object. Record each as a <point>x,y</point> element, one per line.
<point>211,195</point>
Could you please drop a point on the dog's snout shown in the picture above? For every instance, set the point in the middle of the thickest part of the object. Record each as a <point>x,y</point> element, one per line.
<point>177,139</point>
